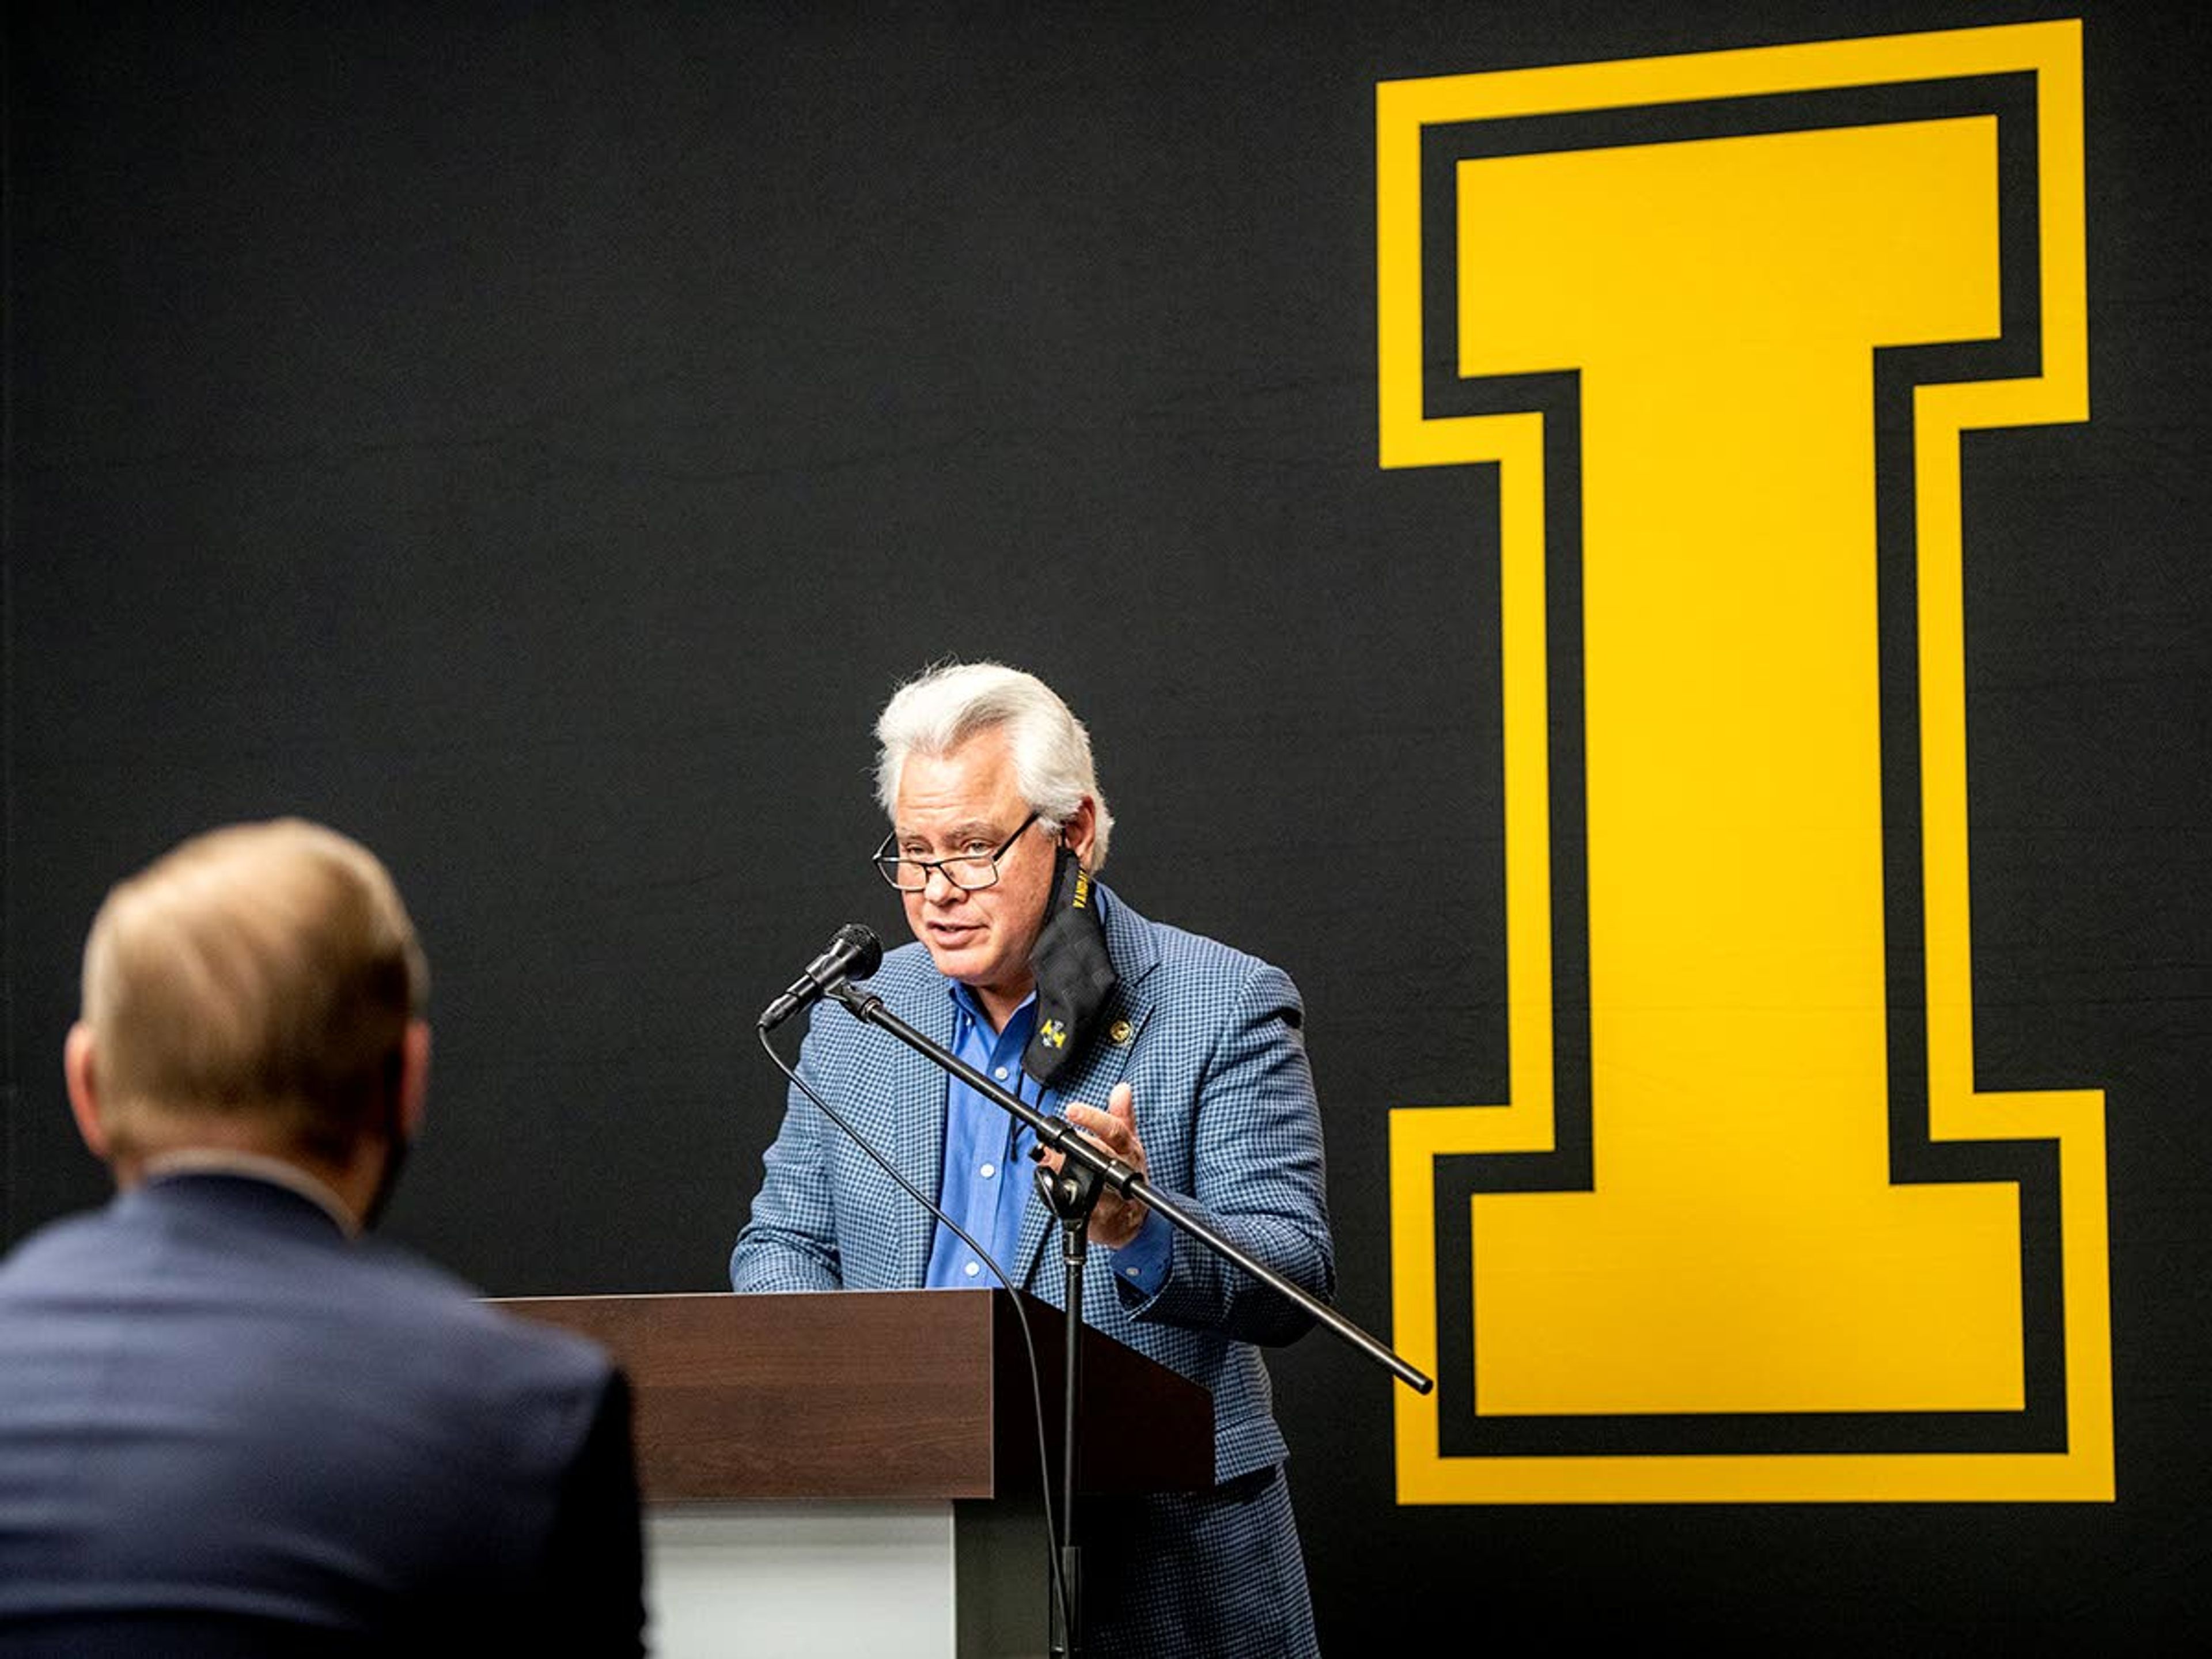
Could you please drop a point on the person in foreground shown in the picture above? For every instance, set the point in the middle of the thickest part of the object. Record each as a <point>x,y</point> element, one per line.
<point>230,1422</point>
<point>1189,1067</point>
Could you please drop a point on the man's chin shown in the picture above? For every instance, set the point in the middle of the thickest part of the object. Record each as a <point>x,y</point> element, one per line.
<point>972,968</point>
<point>953,961</point>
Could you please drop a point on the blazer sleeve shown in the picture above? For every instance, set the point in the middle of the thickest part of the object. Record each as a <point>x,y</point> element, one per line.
<point>594,1596</point>
<point>790,1241</point>
<point>1255,1173</point>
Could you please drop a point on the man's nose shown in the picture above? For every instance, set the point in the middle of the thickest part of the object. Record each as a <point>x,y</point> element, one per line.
<point>941,888</point>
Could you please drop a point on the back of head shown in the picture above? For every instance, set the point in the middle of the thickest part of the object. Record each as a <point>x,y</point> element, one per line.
<point>253,985</point>
<point>938,712</point>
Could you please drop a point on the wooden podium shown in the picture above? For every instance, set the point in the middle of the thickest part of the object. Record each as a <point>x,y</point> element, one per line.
<point>856,1472</point>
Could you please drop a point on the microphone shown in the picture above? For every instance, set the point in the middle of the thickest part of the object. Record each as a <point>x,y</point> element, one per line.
<point>855,953</point>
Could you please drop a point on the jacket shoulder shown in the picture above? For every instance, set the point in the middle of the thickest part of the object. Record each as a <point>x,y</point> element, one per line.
<point>1177,952</point>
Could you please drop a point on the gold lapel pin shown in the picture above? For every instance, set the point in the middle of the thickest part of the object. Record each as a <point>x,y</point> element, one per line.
<point>1121,1030</point>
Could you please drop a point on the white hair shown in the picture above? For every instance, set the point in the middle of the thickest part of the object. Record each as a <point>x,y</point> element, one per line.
<point>946,706</point>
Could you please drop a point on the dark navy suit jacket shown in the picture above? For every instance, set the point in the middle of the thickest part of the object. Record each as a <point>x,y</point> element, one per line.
<point>225,1427</point>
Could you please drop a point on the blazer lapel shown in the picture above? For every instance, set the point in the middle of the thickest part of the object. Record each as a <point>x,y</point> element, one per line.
<point>917,1128</point>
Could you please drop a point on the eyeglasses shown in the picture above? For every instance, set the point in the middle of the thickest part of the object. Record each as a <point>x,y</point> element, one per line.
<point>968,871</point>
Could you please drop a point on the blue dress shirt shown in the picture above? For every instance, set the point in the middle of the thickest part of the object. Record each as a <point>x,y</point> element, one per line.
<point>989,1179</point>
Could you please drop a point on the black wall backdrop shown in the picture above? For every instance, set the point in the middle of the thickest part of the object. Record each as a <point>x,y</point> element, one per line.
<point>535,439</point>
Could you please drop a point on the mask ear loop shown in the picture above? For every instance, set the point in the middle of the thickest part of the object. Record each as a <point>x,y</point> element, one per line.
<point>395,1153</point>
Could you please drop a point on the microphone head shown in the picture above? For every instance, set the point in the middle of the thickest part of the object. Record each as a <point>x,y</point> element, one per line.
<point>865,949</point>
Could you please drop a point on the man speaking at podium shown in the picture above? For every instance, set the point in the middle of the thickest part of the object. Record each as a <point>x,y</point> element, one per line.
<point>1181,1056</point>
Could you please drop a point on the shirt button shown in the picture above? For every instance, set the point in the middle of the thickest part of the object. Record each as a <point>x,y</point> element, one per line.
<point>1000,1074</point>
<point>973,1268</point>
<point>988,1170</point>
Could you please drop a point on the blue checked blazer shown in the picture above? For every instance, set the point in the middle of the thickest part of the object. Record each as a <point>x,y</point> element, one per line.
<point>1225,1108</point>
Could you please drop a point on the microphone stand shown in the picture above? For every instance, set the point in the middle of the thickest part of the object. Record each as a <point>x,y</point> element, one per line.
<point>1086,1172</point>
<point>1072,1192</point>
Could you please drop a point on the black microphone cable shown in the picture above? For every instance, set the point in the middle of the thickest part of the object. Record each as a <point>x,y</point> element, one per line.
<point>1021,1315</point>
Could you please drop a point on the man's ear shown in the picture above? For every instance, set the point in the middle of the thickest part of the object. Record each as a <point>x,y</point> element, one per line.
<point>414,1076</point>
<point>1081,831</point>
<point>80,1074</point>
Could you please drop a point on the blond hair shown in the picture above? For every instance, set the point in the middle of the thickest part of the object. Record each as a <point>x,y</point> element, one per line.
<point>264,973</point>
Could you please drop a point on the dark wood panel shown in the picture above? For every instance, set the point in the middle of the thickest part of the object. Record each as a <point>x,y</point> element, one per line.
<point>876,1394</point>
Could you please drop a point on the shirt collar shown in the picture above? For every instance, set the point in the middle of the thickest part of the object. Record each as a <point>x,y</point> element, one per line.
<point>254,1166</point>
<point>964,1000</point>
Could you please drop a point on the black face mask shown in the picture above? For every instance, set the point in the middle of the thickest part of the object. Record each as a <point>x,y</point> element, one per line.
<point>386,1184</point>
<point>1074,980</point>
<point>395,1152</point>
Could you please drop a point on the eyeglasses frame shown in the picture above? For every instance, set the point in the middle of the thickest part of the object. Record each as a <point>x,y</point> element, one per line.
<point>886,861</point>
